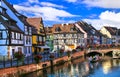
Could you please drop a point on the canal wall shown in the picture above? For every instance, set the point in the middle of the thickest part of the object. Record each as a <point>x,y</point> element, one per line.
<point>16,71</point>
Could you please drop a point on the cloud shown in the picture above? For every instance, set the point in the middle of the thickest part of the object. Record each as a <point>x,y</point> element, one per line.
<point>48,13</point>
<point>103,3</point>
<point>106,18</point>
<point>112,16</point>
<point>33,1</point>
<point>48,4</point>
<point>72,1</point>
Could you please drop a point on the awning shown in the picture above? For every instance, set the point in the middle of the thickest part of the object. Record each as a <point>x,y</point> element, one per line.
<point>44,47</point>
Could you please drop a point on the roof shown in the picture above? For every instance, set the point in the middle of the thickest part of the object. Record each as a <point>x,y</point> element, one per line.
<point>65,28</point>
<point>37,24</point>
<point>9,5</point>
<point>112,30</point>
<point>13,26</point>
<point>88,28</point>
<point>20,16</point>
<point>48,30</point>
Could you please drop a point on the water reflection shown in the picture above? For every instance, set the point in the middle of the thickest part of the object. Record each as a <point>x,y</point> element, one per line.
<point>82,68</point>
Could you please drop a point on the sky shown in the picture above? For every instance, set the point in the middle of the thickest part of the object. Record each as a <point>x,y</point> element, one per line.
<point>96,12</point>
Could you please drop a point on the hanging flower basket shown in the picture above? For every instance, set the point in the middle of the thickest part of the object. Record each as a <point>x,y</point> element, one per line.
<point>61,51</point>
<point>51,56</point>
<point>19,56</point>
<point>37,58</point>
<point>68,53</point>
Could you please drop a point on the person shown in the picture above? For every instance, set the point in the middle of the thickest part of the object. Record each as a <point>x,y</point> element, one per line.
<point>90,58</point>
<point>96,57</point>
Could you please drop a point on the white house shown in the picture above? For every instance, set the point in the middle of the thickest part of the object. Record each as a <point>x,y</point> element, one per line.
<point>11,36</point>
<point>22,24</point>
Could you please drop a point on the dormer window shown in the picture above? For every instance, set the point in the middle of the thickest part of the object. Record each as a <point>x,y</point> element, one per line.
<point>58,29</point>
<point>72,28</point>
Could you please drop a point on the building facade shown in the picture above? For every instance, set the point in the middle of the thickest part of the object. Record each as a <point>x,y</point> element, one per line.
<point>91,35</point>
<point>49,38</point>
<point>11,36</point>
<point>20,21</point>
<point>111,33</point>
<point>38,35</point>
<point>67,36</point>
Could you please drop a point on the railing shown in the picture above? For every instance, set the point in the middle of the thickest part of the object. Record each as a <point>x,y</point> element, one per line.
<point>7,63</point>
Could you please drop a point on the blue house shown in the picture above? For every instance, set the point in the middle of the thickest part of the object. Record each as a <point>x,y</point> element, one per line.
<point>11,36</point>
<point>22,24</point>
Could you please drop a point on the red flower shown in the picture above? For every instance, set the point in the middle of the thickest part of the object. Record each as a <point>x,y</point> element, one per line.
<point>51,56</point>
<point>19,55</point>
<point>78,47</point>
<point>61,50</point>
<point>37,58</point>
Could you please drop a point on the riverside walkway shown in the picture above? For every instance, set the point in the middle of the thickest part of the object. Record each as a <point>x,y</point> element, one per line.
<point>17,71</point>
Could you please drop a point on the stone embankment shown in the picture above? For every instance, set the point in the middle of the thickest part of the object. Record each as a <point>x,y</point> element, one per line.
<point>16,71</point>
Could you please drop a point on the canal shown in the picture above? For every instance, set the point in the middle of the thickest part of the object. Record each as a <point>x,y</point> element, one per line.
<point>81,68</point>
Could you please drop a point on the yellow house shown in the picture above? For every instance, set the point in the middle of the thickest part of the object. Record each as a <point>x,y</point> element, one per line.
<point>38,34</point>
<point>110,32</point>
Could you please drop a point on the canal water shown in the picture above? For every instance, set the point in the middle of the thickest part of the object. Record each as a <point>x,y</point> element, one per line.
<point>82,68</point>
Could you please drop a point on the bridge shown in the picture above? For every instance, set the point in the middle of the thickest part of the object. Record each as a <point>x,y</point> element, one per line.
<point>103,52</point>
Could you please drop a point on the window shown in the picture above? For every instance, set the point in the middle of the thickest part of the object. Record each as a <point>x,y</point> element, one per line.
<point>30,31</point>
<point>12,35</point>
<point>27,39</point>
<point>18,35</point>
<point>26,30</point>
<point>58,29</point>
<point>72,28</point>
<point>1,35</point>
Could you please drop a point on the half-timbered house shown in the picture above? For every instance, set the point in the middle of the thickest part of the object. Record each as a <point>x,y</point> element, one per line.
<point>11,36</point>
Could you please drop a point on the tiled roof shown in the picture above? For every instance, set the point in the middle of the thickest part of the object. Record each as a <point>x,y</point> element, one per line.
<point>48,30</point>
<point>20,16</point>
<point>88,28</point>
<point>65,28</point>
<point>112,30</point>
<point>37,24</point>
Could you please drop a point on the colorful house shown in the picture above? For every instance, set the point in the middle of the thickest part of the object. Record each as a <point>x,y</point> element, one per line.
<point>19,18</point>
<point>111,33</point>
<point>91,35</point>
<point>49,37</point>
<point>67,36</point>
<point>11,36</point>
<point>38,35</point>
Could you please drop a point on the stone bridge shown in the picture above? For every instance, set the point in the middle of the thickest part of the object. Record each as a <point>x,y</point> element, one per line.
<point>104,51</point>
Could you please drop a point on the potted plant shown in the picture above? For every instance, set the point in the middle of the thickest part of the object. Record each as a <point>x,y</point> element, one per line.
<point>37,58</point>
<point>74,50</point>
<point>68,53</point>
<point>78,48</point>
<point>19,56</point>
<point>51,56</point>
<point>61,51</point>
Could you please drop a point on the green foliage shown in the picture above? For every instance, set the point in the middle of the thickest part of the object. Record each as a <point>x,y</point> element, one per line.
<point>19,56</point>
<point>37,58</point>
